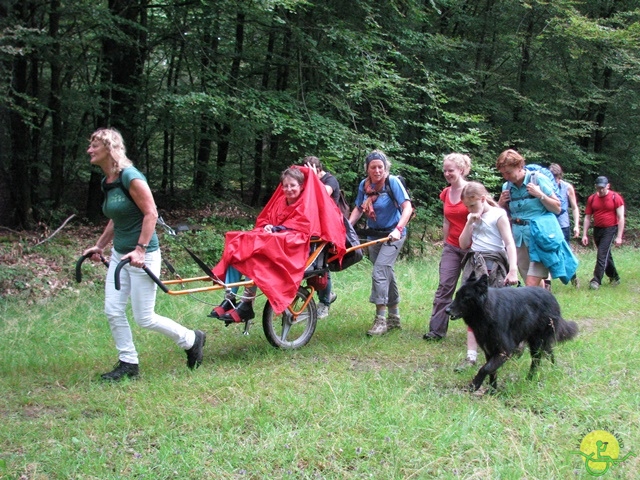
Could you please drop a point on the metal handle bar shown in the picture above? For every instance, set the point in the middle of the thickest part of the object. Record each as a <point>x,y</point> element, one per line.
<point>146,270</point>
<point>82,259</point>
<point>362,245</point>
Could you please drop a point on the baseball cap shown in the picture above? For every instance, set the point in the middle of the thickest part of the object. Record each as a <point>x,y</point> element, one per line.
<point>602,181</point>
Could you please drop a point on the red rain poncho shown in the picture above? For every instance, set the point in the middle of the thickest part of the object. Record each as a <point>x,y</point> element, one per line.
<point>276,261</point>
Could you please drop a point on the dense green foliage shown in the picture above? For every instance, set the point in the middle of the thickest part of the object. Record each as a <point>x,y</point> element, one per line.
<point>217,97</point>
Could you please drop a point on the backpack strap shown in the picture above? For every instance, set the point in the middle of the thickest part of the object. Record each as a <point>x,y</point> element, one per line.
<point>124,189</point>
<point>120,185</point>
<point>387,184</point>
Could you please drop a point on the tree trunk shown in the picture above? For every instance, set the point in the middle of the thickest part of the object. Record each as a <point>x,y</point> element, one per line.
<point>525,62</point>
<point>19,172</point>
<point>261,141</point>
<point>122,65</point>
<point>598,139</point>
<point>55,107</point>
<point>224,129</point>
<point>21,145</point>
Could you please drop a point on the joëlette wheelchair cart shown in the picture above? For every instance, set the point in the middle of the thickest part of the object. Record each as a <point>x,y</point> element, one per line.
<point>295,326</point>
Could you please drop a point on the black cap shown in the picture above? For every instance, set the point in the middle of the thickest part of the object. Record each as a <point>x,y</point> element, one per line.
<point>602,181</point>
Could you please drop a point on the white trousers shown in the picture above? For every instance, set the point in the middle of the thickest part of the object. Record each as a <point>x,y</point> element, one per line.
<point>136,284</point>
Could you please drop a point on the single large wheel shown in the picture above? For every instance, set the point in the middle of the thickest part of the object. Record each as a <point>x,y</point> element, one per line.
<point>289,330</point>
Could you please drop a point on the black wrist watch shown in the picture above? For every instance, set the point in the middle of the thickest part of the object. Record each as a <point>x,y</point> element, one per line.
<point>143,245</point>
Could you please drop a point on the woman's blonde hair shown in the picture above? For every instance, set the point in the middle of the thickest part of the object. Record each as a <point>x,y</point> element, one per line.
<point>462,161</point>
<point>112,139</point>
<point>477,190</point>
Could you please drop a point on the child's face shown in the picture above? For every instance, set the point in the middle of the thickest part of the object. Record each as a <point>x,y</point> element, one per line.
<point>473,203</point>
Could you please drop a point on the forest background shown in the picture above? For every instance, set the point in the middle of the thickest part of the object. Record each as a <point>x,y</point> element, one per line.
<point>216,98</point>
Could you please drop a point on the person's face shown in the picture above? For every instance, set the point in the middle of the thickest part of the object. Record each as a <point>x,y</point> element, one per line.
<point>98,153</point>
<point>513,174</point>
<point>376,171</point>
<point>451,171</point>
<point>602,191</point>
<point>474,203</point>
<point>291,189</point>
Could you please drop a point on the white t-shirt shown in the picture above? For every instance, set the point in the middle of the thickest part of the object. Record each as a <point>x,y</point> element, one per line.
<point>485,236</point>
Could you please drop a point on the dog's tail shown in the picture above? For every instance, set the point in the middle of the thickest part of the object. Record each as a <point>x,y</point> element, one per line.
<point>565,330</point>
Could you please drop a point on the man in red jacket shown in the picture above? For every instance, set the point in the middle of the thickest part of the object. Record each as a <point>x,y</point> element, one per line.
<point>606,207</point>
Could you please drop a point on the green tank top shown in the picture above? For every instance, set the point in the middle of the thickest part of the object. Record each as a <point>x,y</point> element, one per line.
<point>126,216</point>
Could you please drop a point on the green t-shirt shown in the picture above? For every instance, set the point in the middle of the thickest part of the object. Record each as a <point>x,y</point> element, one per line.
<point>126,216</point>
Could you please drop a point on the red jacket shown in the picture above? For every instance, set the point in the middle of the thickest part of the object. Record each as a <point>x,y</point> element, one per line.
<point>276,261</point>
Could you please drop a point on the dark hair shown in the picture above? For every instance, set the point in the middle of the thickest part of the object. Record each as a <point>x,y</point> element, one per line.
<point>556,170</point>
<point>315,161</point>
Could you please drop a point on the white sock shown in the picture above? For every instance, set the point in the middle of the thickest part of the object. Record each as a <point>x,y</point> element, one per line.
<point>472,355</point>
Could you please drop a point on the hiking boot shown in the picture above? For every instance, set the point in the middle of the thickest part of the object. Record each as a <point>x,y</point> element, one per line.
<point>194,354</point>
<point>393,321</point>
<point>466,364</point>
<point>575,282</point>
<point>614,282</point>
<point>243,313</point>
<point>432,337</point>
<point>120,371</point>
<point>332,298</point>
<point>221,309</point>
<point>379,326</point>
<point>593,285</point>
<point>322,311</point>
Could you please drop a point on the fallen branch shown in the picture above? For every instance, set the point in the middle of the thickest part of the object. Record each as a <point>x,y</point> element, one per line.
<point>54,233</point>
<point>9,230</point>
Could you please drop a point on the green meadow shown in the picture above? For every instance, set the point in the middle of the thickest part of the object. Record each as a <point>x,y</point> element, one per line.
<point>345,406</point>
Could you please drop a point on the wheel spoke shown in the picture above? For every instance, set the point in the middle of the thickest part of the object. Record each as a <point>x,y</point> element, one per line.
<point>283,331</point>
<point>286,326</point>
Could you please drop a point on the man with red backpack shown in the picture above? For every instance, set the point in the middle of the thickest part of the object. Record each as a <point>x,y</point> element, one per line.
<point>606,207</point>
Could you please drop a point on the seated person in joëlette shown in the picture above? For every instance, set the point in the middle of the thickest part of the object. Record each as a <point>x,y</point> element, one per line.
<point>275,252</point>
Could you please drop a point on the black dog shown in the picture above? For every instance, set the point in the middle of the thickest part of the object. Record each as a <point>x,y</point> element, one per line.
<point>501,318</point>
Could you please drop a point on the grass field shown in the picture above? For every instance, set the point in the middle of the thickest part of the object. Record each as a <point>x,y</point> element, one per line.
<point>343,407</point>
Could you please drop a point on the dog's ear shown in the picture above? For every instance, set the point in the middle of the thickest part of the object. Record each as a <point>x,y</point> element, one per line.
<point>484,279</point>
<point>472,277</point>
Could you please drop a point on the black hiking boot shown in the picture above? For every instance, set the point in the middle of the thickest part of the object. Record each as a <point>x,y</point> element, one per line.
<point>243,313</point>
<point>120,371</point>
<point>221,309</point>
<point>194,354</point>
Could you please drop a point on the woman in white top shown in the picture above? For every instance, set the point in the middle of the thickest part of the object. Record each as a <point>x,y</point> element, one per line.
<point>487,235</point>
